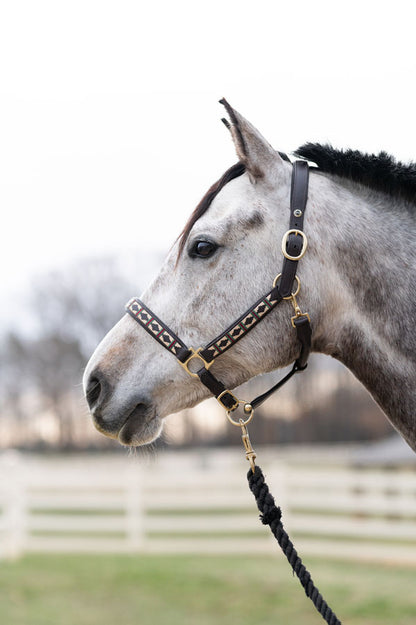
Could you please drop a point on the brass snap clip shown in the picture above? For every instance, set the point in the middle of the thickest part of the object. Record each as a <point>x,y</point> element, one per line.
<point>250,453</point>
<point>242,423</point>
<point>298,312</point>
<point>292,298</point>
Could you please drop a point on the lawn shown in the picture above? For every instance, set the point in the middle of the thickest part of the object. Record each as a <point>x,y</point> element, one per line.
<point>192,590</point>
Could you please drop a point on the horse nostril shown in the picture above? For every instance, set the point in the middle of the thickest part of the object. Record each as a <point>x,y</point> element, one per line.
<point>93,392</point>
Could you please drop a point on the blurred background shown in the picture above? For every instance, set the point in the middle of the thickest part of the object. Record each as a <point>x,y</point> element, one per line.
<point>110,133</point>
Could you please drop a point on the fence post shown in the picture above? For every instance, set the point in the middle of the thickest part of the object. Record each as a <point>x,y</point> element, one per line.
<point>14,505</point>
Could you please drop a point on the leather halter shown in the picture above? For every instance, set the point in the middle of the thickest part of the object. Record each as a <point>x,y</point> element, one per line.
<point>294,245</point>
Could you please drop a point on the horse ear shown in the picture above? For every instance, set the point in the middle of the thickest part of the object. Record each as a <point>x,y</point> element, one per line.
<point>252,148</point>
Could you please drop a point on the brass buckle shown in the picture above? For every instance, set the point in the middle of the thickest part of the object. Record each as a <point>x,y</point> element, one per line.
<point>304,244</point>
<point>234,406</point>
<point>194,354</point>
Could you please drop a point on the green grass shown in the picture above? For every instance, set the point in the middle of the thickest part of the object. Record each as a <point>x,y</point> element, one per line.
<point>193,590</point>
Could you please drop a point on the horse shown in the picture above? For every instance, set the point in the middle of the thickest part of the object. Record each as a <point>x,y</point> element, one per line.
<point>358,284</point>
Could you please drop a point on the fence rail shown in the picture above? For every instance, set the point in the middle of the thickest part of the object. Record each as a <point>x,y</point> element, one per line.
<point>188,505</point>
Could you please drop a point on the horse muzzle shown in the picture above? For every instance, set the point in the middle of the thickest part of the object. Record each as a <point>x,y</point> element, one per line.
<point>132,422</point>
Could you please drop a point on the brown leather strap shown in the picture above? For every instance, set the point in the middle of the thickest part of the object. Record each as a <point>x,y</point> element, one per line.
<point>304,334</point>
<point>294,244</point>
<point>217,388</point>
<point>157,329</point>
<point>242,325</point>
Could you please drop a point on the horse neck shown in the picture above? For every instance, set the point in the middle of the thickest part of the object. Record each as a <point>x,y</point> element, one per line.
<point>368,321</point>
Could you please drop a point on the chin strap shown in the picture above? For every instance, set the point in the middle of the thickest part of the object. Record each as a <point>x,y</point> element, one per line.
<point>302,325</point>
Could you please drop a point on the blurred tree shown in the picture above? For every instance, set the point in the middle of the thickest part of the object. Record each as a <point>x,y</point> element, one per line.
<point>13,377</point>
<point>81,303</point>
<point>70,311</point>
<point>56,368</point>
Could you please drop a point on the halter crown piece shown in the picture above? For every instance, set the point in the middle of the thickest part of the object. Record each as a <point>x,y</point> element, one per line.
<point>197,363</point>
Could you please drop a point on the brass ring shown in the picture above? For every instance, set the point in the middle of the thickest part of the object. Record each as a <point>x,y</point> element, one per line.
<point>248,409</point>
<point>297,286</point>
<point>304,244</point>
<point>194,354</point>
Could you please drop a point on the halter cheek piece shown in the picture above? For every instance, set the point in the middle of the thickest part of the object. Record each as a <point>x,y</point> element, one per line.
<point>197,363</point>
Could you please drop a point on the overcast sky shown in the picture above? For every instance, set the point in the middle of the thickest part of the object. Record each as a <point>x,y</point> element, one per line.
<point>109,118</point>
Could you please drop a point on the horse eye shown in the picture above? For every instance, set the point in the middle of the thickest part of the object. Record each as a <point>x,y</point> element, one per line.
<point>203,249</point>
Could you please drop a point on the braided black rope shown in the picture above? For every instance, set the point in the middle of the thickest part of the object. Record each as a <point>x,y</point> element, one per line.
<point>271,515</point>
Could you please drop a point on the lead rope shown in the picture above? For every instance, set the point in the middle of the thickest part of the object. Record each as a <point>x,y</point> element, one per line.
<point>271,515</point>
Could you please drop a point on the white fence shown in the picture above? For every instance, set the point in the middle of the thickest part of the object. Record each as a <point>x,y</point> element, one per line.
<point>192,503</point>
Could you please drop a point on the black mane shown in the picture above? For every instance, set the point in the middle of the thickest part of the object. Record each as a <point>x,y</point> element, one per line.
<point>378,171</point>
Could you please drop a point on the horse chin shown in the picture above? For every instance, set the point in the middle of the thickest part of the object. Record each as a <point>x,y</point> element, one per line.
<point>140,428</point>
